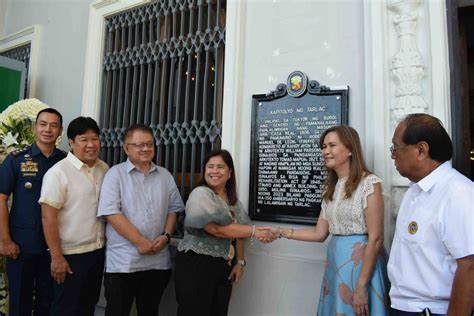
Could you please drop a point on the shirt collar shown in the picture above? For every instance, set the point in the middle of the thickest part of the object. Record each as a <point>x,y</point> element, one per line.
<point>78,164</point>
<point>56,152</point>
<point>431,179</point>
<point>130,166</point>
<point>35,151</point>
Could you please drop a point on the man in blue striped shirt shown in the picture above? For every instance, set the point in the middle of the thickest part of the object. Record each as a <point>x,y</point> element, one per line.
<point>139,200</point>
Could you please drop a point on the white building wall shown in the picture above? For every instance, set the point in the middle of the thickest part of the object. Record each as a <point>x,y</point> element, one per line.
<point>62,47</point>
<point>3,12</point>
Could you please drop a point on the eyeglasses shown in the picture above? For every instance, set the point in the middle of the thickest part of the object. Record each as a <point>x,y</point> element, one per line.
<point>141,146</point>
<point>393,149</point>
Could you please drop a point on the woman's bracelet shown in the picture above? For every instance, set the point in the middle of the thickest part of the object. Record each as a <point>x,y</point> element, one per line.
<point>290,234</point>
<point>281,234</point>
<point>252,235</point>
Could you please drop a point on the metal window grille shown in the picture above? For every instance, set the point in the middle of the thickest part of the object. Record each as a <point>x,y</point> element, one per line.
<point>163,66</point>
<point>20,53</point>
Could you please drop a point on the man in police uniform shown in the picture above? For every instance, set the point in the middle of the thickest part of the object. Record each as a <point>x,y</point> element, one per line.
<point>431,265</point>
<point>21,232</point>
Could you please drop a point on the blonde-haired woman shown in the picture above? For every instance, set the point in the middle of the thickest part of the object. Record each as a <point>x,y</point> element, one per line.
<point>355,280</point>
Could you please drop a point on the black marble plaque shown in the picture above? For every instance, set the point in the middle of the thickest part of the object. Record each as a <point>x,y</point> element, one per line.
<point>287,171</point>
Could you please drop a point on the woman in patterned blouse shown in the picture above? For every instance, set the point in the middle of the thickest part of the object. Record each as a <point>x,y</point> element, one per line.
<point>205,261</point>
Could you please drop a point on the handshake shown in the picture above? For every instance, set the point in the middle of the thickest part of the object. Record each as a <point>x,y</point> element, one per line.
<point>267,234</point>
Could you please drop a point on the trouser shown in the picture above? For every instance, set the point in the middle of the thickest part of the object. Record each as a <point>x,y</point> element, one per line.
<point>202,284</point>
<point>29,277</point>
<point>146,287</point>
<point>79,293</point>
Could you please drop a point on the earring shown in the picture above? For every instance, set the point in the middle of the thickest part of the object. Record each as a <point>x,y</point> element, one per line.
<point>350,154</point>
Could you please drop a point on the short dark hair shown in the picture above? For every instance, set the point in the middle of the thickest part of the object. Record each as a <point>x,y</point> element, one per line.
<point>231,184</point>
<point>421,127</point>
<point>80,125</point>
<point>52,111</point>
<point>137,127</point>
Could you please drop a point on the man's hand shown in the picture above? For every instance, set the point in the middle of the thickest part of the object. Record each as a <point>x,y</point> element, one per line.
<point>9,249</point>
<point>159,243</point>
<point>144,246</point>
<point>59,268</point>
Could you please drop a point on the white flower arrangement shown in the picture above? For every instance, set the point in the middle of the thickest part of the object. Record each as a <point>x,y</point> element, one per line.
<point>16,123</point>
<point>27,108</point>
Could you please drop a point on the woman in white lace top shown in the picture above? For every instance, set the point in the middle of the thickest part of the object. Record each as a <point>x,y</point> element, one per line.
<point>355,280</point>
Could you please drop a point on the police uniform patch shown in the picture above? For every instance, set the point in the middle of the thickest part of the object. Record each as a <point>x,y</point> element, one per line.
<point>21,151</point>
<point>413,227</point>
<point>29,166</point>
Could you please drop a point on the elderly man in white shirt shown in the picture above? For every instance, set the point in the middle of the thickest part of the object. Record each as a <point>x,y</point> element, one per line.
<point>432,257</point>
<point>75,237</point>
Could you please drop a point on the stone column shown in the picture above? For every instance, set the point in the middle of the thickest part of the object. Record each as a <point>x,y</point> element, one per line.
<point>407,67</point>
<point>407,72</point>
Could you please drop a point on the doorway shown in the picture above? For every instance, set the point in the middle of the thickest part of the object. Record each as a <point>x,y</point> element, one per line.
<point>461,51</point>
<point>461,42</point>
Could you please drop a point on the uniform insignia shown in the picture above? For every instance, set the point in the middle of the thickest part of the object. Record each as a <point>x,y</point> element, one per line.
<point>413,227</point>
<point>29,167</point>
<point>21,151</point>
<point>28,185</point>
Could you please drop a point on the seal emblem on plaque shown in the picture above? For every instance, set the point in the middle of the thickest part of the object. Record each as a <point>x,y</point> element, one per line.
<point>297,83</point>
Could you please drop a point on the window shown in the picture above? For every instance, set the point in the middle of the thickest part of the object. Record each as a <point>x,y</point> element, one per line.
<point>163,66</point>
<point>20,53</point>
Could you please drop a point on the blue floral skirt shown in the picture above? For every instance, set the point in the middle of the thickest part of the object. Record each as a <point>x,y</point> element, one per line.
<point>343,265</point>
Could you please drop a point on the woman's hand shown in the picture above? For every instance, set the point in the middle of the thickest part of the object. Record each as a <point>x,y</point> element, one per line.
<point>236,273</point>
<point>360,301</point>
<point>266,234</point>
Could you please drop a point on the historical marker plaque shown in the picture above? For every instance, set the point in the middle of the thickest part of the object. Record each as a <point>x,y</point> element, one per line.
<point>287,171</point>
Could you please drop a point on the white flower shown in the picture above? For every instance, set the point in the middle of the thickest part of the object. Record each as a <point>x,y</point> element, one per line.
<point>21,109</point>
<point>9,139</point>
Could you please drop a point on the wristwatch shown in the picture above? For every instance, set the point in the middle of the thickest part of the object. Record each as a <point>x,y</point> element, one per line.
<point>167,236</point>
<point>243,263</point>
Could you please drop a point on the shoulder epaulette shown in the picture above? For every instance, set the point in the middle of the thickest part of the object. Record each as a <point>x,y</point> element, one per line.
<point>19,152</point>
